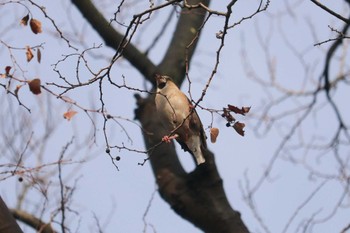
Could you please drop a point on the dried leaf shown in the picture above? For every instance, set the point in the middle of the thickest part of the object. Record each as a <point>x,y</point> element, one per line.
<point>17,89</point>
<point>29,54</point>
<point>246,109</point>
<point>239,127</point>
<point>38,55</point>
<point>35,25</point>
<point>7,70</point>
<point>236,110</point>
<point>214,132</point>
<point>34,86</point>
<point>24,20</point>
<point>69,114</point>
<point>228,115</point>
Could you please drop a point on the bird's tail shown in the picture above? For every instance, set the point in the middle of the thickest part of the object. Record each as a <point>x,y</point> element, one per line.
<point>198,155</point>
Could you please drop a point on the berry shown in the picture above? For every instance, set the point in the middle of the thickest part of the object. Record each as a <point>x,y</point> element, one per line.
<point>117,158</point>
<point>228,124</point>
<point>20,179</point>
<point>108,150</point>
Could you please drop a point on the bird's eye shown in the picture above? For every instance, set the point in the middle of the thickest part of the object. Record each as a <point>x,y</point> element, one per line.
<point>161,85</point>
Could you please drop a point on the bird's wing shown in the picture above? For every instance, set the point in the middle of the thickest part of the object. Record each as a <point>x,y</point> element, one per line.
<point>195,125</point>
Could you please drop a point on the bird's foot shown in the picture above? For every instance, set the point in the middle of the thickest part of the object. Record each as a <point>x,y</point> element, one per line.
<point>168,139</point>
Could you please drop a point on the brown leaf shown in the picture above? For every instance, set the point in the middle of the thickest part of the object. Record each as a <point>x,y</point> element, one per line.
<point>29,54</point>
<point>7,70</point>
<point>35,25</point>
<point>214,132</point>
<point>239,127</point>
<point>38,55</point>
<point>236,110</point>
<point>34,86</point>
<point>24,20</point>
<point>69,114</point>
<point>228,115</point>
<point>246,109</point>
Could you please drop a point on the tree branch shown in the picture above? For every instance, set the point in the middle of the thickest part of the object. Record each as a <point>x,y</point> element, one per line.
<point>113,38</point>
<point>32,221</point>
<point>198,196</point>
<point>173,62</point>
<point>347,21</point>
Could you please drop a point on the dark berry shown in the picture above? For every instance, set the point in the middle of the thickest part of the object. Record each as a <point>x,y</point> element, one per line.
<point>108,150</point>
<point>117,158</point>
<point>228,124</point>
<point>20,179</point>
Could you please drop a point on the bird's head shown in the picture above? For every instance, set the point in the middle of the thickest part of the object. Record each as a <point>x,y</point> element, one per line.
<point>162,81</point>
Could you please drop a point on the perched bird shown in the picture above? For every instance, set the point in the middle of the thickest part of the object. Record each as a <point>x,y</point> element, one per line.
<point>179,118</point>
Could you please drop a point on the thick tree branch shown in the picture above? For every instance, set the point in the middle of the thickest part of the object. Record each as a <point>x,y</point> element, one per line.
<point>32,221</point>
<point>113,38</point>
<point>198,196</point>
<point>173,63</point>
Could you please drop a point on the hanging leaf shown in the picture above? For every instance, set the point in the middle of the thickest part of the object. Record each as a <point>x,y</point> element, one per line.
<point>246,109</point>
<point>228,115</point>
<point>69,114</point>
<point>35,25</point>
<point>239,127</point>
<point>236,110</point>
<point>24,20</point>
<point>38,55</point>
<point>214,132</point>
<point>34,86</point>
<point>29,54</point>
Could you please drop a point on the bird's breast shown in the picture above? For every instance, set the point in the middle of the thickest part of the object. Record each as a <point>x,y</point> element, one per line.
<point>171,109</point>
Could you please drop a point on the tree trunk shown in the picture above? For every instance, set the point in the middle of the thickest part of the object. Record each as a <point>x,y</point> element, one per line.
<point>7,222</point>
<point>197,196</point>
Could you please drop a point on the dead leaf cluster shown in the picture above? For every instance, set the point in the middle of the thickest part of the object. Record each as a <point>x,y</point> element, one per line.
<point>35,25</point>
<point>30,55</point>
<point>231,121</point>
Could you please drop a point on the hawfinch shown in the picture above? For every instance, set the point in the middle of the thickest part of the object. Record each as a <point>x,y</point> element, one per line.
<point>179,118</point>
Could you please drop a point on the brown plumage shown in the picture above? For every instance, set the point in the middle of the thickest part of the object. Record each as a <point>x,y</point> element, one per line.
<point>177,114</point>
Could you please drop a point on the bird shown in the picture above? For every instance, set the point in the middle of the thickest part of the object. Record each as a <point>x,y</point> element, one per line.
<point>179,118</point>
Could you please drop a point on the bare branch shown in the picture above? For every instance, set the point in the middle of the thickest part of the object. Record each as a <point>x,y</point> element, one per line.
<point>114,39</point>
<point>316,2</point>
<point>32,221</point>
